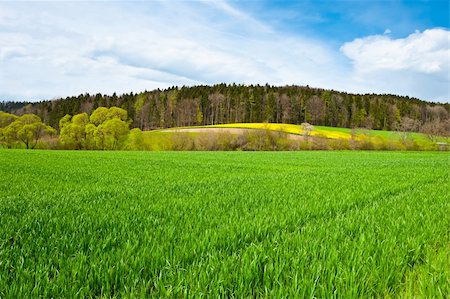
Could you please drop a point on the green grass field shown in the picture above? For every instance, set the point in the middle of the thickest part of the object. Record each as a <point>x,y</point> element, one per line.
<point>210,224</point>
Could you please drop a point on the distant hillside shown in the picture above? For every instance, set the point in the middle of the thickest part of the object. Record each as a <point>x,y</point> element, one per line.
<point>222,103</point>
<point>284,137</point>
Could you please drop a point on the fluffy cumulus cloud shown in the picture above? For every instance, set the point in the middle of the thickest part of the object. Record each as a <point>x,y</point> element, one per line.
<point>425,52</point>
<point>57,49</point>
<point>415,65</point>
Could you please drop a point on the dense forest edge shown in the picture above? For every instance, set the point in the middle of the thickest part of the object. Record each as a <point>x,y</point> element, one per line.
<point>226,104</point>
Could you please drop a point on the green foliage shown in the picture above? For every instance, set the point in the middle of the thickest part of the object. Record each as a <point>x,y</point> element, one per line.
<point>117,113</point>
<point>26,129</point>
<point>135,140</point>
<point>99,116</point>
<point>140,100</point>
<point>90,142</point>
<point>73,130</point>
<point>80,119</point>
<point>105,129</point>
<point>199,116</point>
<point>112,134</point>
<point>6,119</point>
<point>228,225</point>
<point>11,133</point>
<point>65,120</point>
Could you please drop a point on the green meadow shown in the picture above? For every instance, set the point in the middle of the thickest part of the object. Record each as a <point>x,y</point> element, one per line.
<point>342,224</point>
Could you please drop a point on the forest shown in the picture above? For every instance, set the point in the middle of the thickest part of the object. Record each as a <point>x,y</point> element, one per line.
<point>232,103</point>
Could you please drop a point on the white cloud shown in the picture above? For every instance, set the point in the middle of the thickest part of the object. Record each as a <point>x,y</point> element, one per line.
<point>58,49</point>
<point>417,65</point>
<point>425,52</point>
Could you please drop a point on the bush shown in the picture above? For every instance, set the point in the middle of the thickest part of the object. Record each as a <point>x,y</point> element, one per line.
<point>182,141</point>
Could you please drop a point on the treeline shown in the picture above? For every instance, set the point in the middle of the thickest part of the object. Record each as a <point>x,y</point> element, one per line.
<point>109,129</point>
<point>104,129</point>
<point>222,103</point>
<point>25,130</point>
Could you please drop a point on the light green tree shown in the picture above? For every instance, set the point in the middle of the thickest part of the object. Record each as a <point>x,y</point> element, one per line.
<point>73,130</point>
<point>140,101</point>
<point>6,119</point>
<point>106,128</point>
<point>65,120</point>
<point>102,114</point>
<point>90,131</point>
<point>99,115</point>
<point>11,134</point>
<point>116,112</point>
<point>135,140</point>
<point>27,129</point>
<point>112,133</point>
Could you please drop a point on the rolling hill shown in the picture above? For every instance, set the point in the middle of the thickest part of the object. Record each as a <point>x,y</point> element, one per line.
<point>164,138</point>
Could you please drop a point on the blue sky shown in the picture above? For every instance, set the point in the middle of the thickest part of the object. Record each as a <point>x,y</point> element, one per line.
<point>341,21</point>
<point>62,48</point>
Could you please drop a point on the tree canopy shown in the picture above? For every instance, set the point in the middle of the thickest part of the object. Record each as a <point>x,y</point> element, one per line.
<point>105,128</point>
<point>26,129</point>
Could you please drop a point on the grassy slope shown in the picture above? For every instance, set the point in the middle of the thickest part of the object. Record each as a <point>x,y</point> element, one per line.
<point>328,132</point>
<point>158,139</point>
<point>299,224</point>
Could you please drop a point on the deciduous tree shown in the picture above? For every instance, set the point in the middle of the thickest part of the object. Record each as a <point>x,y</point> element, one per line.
<point>135,140</point>
<point>73,130</point>
<point>112,133</point>
<point>6,119</point>
<point>307,129</point>
<point>27,129</point>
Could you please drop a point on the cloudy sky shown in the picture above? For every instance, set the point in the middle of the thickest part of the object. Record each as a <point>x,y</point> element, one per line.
<point>61,48</point>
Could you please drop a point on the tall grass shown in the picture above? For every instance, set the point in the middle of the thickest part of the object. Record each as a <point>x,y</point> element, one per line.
<point>224,224</point>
